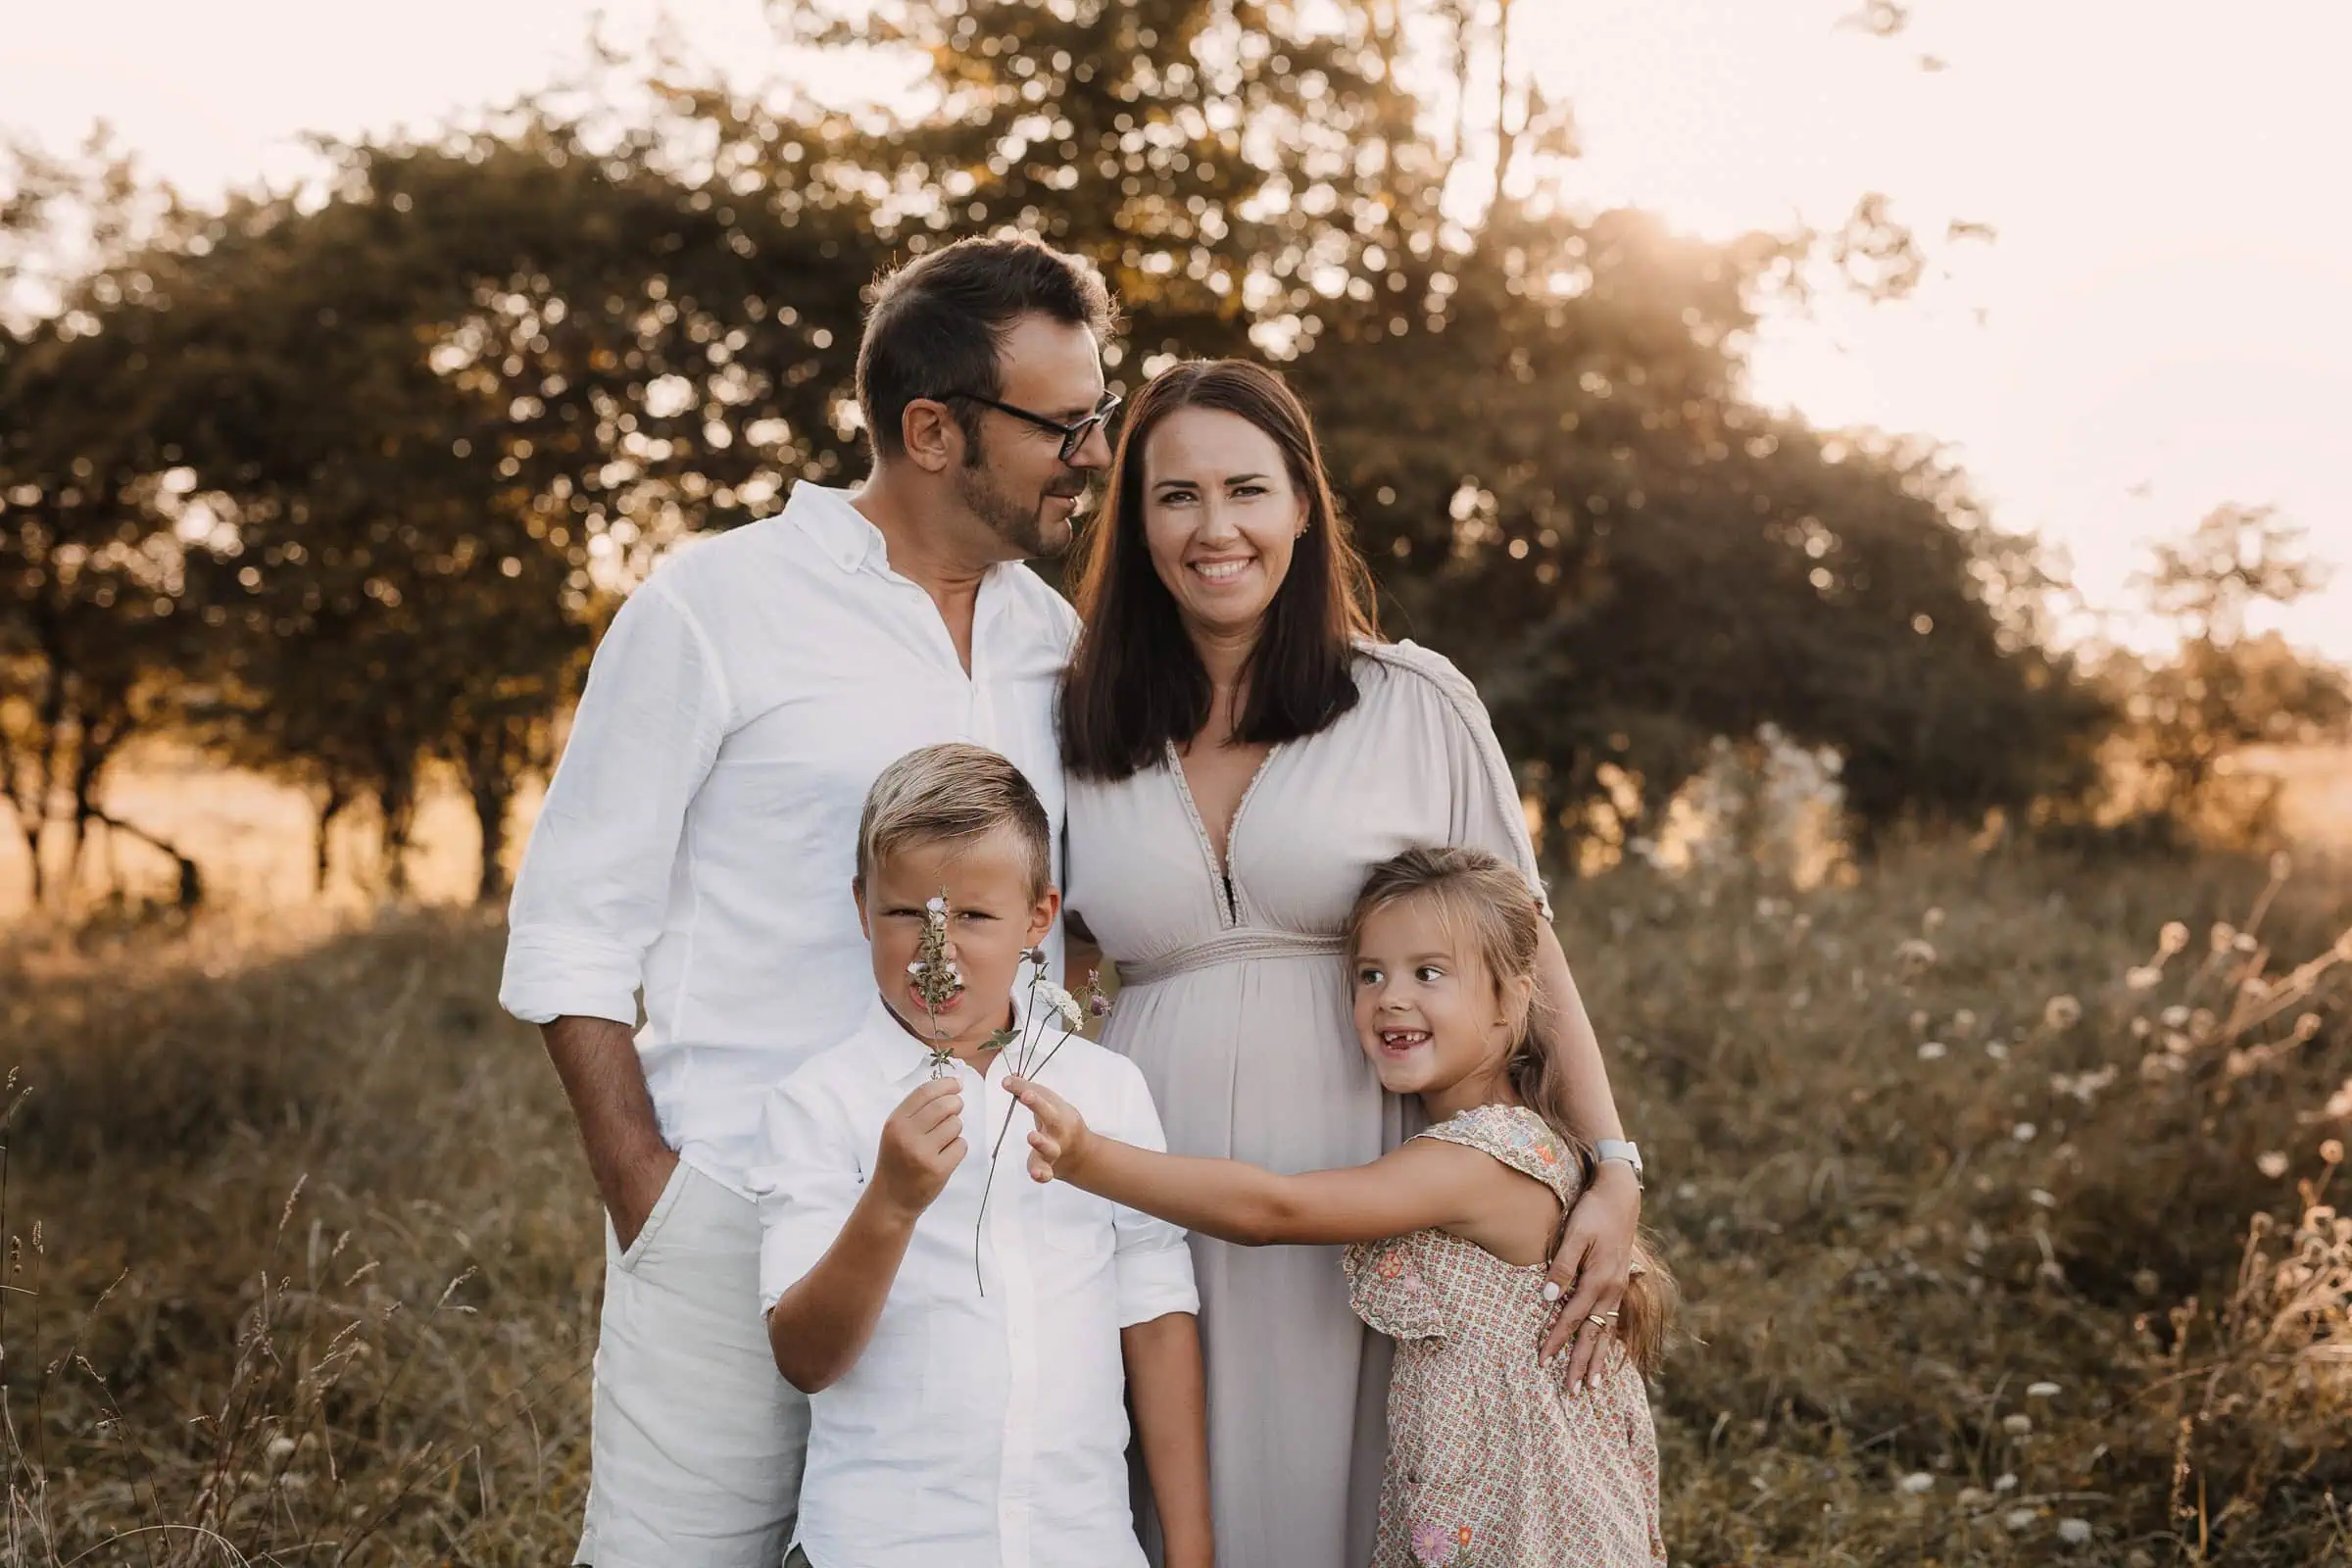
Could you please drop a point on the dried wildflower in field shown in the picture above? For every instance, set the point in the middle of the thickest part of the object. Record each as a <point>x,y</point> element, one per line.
<point>938,978</point>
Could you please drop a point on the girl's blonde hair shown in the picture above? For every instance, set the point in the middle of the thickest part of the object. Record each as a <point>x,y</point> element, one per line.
<point>1488,908</point>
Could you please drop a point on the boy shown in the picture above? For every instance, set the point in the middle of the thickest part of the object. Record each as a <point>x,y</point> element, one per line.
<point>966,1365</point>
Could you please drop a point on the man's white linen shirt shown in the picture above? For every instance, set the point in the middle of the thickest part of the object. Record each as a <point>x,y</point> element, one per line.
<point>975,1428</point>
<point>699,835</point>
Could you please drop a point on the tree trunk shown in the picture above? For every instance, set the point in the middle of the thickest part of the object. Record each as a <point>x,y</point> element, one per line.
<point>337,798</point>
<point>190,892</point>
<point>396,799</point>
<point>491,798</point>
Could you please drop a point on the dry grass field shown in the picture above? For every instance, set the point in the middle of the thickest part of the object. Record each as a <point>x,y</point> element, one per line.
<point>1997,1250</point>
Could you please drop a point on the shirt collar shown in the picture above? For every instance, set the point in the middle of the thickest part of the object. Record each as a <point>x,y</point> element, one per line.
<point>851,542</point>
<point>899,1057</point>
<point>846,535</point>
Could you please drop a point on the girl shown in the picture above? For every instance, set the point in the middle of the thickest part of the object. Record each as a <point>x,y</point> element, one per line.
<point>1491,1460</point>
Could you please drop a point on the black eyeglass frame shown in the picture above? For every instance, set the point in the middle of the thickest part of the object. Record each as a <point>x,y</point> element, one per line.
<point>1073,436</point>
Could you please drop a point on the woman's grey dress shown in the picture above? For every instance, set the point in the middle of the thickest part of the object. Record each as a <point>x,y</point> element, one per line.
<point>1234,1000</point>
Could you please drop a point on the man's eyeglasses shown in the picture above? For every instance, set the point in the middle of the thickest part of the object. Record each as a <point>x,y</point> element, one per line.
<point>1073,435</point>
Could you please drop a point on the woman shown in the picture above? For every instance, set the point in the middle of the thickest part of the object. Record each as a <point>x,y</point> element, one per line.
<point>1241,751</point>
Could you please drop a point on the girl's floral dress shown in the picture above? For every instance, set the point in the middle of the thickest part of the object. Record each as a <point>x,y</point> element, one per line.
<point>1491,1462</point>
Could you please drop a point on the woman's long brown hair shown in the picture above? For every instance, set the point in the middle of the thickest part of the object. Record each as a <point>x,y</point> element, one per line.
<point>1490,907</point>
<point>1135,683</point>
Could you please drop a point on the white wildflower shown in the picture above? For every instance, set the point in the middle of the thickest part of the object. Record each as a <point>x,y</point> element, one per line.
<point>2142,977</point>
<point>2073,1532</point>
<point>936,904</point>
<point>1914,957</point>
<point>2339,1103</point>
<point>1062,1003</point>
<point>1997,1050</point>
<point>2173,1016</point>
<point>2222,936</point>
<point>1930,1051</point>
<point>2243,941</point>
<point>1964,1022</point>
<point>2020,1518</point>
<point>2042,1390</point>
<point>2017,1424</point>
<point>2271,1163</point>
<point>2024,1132</point>
<point>2062,1012</point>
<point>1917,1481</point>
<point>1931,919</point>
<point>2042,1198</point>
<point>2004,1483</point>
<point>279,1447</point>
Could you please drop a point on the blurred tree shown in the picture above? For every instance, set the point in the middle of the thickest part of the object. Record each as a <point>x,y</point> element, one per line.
<point>2189,720</point>
<point>95,641</point>
<point>1537,421</point>
<point>439,418</point>
<point>419,432</point>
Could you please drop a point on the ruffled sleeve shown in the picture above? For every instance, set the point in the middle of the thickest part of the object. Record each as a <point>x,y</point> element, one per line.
<point>1385,1289</point>
<point>1485,811</point>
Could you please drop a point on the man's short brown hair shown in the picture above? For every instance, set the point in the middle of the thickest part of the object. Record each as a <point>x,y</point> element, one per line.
<point>939,321</point>
<point>953,794</point>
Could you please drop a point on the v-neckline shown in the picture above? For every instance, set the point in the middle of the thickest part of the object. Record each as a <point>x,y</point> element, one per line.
<point>1220,874</point>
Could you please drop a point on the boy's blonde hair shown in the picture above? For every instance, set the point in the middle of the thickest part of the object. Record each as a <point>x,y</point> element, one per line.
<point>1488,908</point>
<point>951,794</point>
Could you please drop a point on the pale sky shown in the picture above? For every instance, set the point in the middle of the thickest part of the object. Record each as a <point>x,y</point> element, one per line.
<point>2165,318</point>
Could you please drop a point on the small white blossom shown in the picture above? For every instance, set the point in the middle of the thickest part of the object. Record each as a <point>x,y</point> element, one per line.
<point>2142,977</point>
<point>2004,1483</point>
<point>2042,1390</point>
<point>1917,1481</point>
<point>1930,1051</point>
<point>279,1447</point>
<point>2271,1163</point>
<point>2062,1012</point>
<point>2073,1532</point>
<point>2020,1518</point>
<point>2173,938</point>
<point>2173,1016</point>
<point>1997,1050</point>
<point>1062,1003</point>
<point>2024,1132</point>
<point>2017,1424</point>
<point>936,904</point>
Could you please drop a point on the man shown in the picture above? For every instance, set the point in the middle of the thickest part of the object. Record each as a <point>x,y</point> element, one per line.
<point>698,843</point>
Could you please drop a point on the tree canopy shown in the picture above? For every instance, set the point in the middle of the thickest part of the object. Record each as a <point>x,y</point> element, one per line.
<point>346,480</point>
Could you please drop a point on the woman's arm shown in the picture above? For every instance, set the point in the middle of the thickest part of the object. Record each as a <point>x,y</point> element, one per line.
<point>1595,1257</point>
<point>1423,1184</point>
<point>1171,1425</point>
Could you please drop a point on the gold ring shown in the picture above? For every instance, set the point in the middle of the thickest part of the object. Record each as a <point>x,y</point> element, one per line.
<point>1596,1320</point>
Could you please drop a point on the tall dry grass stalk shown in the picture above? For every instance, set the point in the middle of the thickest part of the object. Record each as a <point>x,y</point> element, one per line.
<point>2002,1206</point>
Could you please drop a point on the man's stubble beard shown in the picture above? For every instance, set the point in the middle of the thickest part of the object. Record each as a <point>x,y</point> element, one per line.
<point>1022,526</point>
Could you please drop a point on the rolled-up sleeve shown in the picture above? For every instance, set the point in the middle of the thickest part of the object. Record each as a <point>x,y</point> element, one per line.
<point>808,1180</point>
<point>595,881</point>
<point>1154,1266</point>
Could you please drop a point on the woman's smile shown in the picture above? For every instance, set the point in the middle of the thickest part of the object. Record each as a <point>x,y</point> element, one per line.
<point>1224,569</point>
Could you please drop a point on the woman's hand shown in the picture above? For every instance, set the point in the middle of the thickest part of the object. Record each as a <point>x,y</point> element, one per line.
<point>1058,1143</point>
<point>1594,1265</point>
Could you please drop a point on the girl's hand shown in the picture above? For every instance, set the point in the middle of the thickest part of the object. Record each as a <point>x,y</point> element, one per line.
<point>1592,1268</point>
<point>1058,1143</point>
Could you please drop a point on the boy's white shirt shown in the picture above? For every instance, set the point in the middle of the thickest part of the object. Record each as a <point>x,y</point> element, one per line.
<point>975,1428</point>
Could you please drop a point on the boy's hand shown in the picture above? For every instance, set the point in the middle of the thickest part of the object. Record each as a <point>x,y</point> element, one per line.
<point>923,1144</point>
<point>1058,1143</point>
